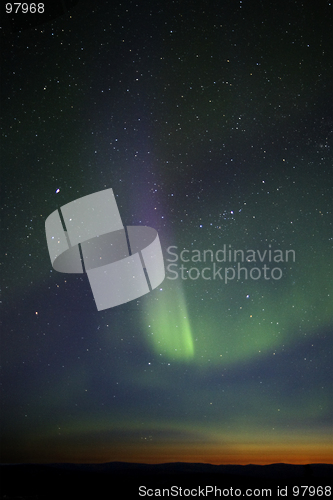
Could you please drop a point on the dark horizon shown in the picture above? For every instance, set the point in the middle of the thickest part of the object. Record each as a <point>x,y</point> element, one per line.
<point>152,479</point>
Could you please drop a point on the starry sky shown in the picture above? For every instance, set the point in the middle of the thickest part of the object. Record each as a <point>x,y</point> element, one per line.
<point>212,123</point>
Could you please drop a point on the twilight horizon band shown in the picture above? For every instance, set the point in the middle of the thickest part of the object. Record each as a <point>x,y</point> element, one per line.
<point>122,264</point>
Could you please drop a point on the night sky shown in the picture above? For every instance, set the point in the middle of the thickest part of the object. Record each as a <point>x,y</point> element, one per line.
<point>212,123</point>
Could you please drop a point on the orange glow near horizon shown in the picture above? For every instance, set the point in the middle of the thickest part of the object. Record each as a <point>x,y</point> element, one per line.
<point>260,455</point>
<point>263,454</point>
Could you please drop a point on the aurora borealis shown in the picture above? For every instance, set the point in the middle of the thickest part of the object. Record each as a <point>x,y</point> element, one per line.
<point>212,123</point>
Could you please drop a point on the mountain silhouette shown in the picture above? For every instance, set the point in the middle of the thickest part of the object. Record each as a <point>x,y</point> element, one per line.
<point>80,481</point>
